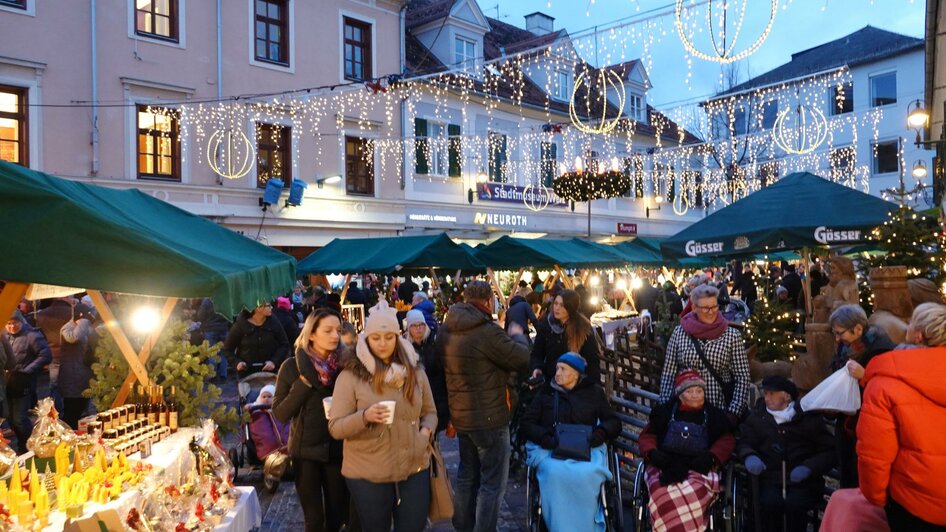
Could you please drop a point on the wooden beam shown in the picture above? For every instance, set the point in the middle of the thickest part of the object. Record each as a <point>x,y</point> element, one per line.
<point>565,280</point>
<point>145,353</point>
<point>10,297</point>
<point>345,288</point>
<point>515,286</point>
<point>436,286</point>
<point>120,339</point>
<point>491,277</point>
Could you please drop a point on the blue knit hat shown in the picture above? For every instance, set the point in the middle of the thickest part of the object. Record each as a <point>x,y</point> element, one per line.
<point>574,360</point>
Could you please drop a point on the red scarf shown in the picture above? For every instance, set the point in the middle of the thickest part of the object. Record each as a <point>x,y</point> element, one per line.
<point>483,308</point>
<point>704,331</point>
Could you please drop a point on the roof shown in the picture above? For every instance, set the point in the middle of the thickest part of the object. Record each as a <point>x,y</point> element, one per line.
<point>509,253</point>
<point>423,11</point>
<point>390,255</point>
<point>866,45</point>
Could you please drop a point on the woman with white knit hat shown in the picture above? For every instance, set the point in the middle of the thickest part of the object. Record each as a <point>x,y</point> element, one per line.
<point>384,411</point>
<point>420,335</point>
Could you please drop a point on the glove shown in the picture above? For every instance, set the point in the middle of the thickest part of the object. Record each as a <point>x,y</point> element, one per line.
<point>659,459</point>
<point>597,437</point>
<point>754,465</point>
<point>799,474</point>
<point>549,441</point>
<point>703,462</point>
<point>676,471</point>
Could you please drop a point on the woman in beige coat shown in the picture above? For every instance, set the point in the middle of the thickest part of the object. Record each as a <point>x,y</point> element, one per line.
<point>386,463</point>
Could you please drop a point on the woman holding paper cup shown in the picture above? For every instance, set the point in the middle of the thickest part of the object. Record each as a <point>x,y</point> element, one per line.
<point>384,411</point>
<point>304,382</point>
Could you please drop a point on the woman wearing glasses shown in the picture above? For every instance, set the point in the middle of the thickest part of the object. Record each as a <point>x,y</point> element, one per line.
<point>704,342</point>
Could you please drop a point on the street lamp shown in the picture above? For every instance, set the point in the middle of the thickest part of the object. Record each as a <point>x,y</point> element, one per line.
<point>918,117</point>
<point>919,169</point>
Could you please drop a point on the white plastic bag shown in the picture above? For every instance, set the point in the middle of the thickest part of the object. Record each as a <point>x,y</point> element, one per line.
<point>839,392</point>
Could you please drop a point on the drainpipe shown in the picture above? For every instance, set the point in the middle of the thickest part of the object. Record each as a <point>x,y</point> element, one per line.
<point>402,25</point>
<point>95,97</point>
<point>219,52</point>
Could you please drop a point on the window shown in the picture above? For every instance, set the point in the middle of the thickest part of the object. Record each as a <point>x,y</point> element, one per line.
<point>156,18</point>
<point>436,148</point>
<point>19,4</point>
<point>13,139</point>
<point>272,31</point>
<point>883,89</point>
<point>359,167</point>
<point>561,87</point>
<point>357,50</point>
<point>886,157</point>
<point>497,157</point>
<point>842,98</point>
<point>273,153</point>
<point>635,107</point>
<point>769,114</point>
<point>841,162</point>
<point>159,153</point>
<point>634,168</point>
<point>548,153</point>
<point>465,53</point>
<point>767,173</point>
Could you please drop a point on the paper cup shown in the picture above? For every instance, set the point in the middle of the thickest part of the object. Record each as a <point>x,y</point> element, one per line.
<point>390,405</point>
<point>327,405</point>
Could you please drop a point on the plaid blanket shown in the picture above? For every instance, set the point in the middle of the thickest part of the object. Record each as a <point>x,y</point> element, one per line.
<point>681,507</point>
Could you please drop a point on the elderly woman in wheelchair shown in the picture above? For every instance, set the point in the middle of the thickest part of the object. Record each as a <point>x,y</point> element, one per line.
<point>685,444</point>
<point>567,426</point>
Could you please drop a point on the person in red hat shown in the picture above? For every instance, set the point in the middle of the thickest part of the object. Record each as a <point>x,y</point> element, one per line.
<point>685,444</point>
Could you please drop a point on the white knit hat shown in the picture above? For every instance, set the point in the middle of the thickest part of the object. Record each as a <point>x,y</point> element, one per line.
<point>381,319</point>
<point>414,316</point>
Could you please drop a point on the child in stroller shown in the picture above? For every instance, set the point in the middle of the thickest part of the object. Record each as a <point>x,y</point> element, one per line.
<point>264,438</point>
<point>267,433</point>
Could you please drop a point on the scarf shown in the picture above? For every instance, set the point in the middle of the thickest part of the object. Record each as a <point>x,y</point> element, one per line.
<point>783,416</point>
<point>556,325</point>
<point>482,308</point>
<point>396,373</point>
<point>704,331</point>
<point>684,408</point>
<point>326,368</point>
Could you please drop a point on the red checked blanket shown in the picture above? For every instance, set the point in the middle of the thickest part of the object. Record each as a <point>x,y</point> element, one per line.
<point>681,507</point>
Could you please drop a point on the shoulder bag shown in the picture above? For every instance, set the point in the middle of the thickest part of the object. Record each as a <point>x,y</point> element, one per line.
<point>573,440</point>
<point>728,388</point>
<point>441,491</point>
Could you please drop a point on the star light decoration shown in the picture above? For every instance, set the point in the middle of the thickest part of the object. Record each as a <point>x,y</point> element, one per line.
<point>582,185</point>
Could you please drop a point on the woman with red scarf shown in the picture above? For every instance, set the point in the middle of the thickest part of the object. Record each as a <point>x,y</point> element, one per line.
<point>704,342</point>
<point>303,382</point>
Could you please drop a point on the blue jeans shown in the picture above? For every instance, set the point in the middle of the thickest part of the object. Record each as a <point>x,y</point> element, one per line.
<point>481,479</point>
<point>407,503</point>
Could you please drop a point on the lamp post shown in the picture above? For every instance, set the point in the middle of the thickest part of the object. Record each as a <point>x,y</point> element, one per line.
<point>918,118</point>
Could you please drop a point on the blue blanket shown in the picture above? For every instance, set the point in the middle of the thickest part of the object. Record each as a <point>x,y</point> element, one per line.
<point>570,489</point>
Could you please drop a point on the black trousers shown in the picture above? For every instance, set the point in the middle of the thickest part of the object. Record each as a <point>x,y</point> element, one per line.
<point>73,407</point>
<point>799,498</point>
<point>322,493</point>
<point>405,503</point>
<point>901,520</point>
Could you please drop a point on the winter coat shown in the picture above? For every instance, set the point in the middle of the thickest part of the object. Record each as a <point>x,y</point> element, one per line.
<point>478,358</point>
<point>720,436</point>
<point>551,343</point>
<point>288,323</point>
<point>433,367</point>
<point>378,452</point>
<point>405,292</point>
<point>76,357</point>
<point>520,311</point>
<point>427,308</point>
<point>900,447</point>
<point>301,405</point>
<point>792,282</point>
<point>256,344</point>
<point>51,319</point>
<point>30,353</point>
<point>645,298</point>
<point>585,404</point>
<point>805,440</point>
<point>211,321</point>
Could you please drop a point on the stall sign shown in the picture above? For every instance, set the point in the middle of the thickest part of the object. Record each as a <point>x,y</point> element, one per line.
<point>694,248</point>
<point>501,220</point>
<point>827,236</point>
<point>627,229</point>
<point>513,194</point>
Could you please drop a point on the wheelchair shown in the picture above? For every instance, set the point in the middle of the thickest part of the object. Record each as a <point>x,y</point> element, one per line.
<point>726,514</point>
<point>610,498</point>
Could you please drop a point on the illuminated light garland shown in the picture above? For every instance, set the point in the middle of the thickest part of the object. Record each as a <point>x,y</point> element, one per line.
<point>585,185</point>
<point>797,140</point>
<point>725,54</point>
<point>536,198</point>
<point>606,81</point>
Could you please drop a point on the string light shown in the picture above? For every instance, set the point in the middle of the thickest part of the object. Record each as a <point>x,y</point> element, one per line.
<point>722,52</point>
<point>803,137</point>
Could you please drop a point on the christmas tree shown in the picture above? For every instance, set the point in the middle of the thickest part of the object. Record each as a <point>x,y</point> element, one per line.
<point>770,329</point>
<point>912,240</point>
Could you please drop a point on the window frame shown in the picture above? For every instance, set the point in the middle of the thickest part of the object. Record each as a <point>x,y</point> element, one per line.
<point>560,88</point>
<point>848,99</point>
<point>283,24</point>
<point>637,112</point>
<point>468,61</point>
<point>175,155</point>
<point>282,146</point>
<point>366,44</point>
<point>369,189</point>
<point>22,116</point>
<point>875,157</point>
<point>873,96</point>
<point>15,4</point>
<point>439,148</point>
<point>835,170</point>
<point>173,21</point>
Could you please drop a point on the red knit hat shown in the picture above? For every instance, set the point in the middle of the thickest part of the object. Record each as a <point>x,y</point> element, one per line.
<point>688,379</point>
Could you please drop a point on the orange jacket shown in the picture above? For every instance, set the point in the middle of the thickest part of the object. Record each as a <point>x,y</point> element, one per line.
<point>901,450</point>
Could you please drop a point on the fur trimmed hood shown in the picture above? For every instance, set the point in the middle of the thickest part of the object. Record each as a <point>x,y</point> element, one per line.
<point>360,361</point>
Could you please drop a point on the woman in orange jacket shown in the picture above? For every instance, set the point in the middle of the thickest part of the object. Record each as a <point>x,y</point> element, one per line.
<point>900,447</point>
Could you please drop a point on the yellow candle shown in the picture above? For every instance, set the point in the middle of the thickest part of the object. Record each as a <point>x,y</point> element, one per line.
<point>16,479</point>
<point>42,502</point>
<point>62,492</point>
<point>24,511</point>
<point>34,481</point>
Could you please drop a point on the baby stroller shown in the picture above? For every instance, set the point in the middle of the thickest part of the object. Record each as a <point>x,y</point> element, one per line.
<point>736,311</point>
<point>263,440</point>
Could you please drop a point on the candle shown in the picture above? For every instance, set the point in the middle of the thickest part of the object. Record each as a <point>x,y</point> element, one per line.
<point>34,481</point>
<point>24,512</point>
<point>579,167</point>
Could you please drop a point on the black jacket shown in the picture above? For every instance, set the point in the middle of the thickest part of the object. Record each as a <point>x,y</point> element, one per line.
<point>520,311</point>
<point>301,404</point>
<point>585,404</point>
<point>478,358</point>
<point>551,343</point>
<point>433,367</point>
<point>645,297</point>
<point>805,440</point>
<point>288,323</point>
<point>255,345</point>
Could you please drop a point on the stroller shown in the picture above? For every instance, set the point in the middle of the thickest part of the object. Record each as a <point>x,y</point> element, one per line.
<point>736,311</point>
<point>263,440</point>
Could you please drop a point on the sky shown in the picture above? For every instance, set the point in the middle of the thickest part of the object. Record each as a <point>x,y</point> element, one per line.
<point>798,25</point>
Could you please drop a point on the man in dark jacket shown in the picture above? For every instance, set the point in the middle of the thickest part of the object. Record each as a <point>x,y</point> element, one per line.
<point>30,353</point>
<point>405,292</point>
<point>792,282</point>
<point>778,433</point>
<point>645,297</point>
<point>521,313</point>
<point>256,342</point>
<point>355,295</point>
<point>478,358</point>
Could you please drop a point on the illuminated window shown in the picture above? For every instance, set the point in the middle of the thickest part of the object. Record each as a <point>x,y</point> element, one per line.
<point>156,18</point>
<point>159,154</point>
<point>273,153</point>
<point>359,167</point>
<point>842,99</point>
<point>13,125</point>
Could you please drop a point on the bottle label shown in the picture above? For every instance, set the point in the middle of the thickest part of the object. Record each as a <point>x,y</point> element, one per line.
<point>172,421</point>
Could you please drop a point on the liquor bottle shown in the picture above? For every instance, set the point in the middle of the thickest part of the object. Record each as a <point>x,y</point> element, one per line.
<point>140,412</point>
<point>162,407</point>
<point>152,407</point>
<point>173,411</point>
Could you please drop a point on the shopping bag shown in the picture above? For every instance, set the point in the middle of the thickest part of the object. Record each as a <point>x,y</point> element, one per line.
<point>441,491</point>
<point>839,392</point>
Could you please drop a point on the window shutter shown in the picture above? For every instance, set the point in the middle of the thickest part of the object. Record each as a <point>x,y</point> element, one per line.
<point>698,185</point>
<point>454,149</point>
<point>548,155</point>
<point>671,186</point>
<point>421,165</point>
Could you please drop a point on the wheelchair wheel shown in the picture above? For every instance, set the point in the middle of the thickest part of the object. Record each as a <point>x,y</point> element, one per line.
<point>235,460</point>
<point>535,522</point>
<point>612,496</point>
<point>639,500</point>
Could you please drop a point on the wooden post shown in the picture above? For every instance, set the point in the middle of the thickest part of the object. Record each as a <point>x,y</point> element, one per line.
<point>491,277</point>
<point>345,288</point>
<point>111,323</point>
<point>145,353</point>
<point>515,286</point>
<point>565,280</point>
<point>436,286</point>
<point>806,258</point>
<point>10,297</point>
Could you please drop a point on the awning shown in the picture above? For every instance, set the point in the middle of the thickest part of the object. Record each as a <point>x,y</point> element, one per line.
<point>508,253</point>
<point>388,255</point>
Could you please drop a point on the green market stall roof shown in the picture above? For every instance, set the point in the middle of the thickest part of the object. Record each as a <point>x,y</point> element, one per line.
<point>508,253</point>
<point>66,233</point>
<point>799,210</point>
<point>390,255</point>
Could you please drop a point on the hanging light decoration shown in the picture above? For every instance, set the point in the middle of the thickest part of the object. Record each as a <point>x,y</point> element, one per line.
<point>810,129</point>
<point>230,153</point>
<point>724,44</point>
<point>586,185</point>
<point>536,198</point>
<point>606,82</point>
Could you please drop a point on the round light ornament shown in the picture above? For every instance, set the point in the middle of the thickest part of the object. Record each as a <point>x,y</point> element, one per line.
<point>536,197</point>
<point>230,154</point>
<point>605,83</point>
<point>735,10</point>
<point>800,130</point>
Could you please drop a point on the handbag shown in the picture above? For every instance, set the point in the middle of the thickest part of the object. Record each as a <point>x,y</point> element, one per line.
<point>441,491</point>
<point>728,388</point>
<point>573,440</point>
<point>684,437</point>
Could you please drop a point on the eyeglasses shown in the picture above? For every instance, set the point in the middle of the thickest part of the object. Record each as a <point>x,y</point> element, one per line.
<point>838,334</point>
<point>706,309</point>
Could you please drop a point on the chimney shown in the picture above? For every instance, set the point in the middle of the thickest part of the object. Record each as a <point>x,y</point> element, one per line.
<point>539,23</point>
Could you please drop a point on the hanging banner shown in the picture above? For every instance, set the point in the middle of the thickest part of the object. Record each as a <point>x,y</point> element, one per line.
<point>512,194</point>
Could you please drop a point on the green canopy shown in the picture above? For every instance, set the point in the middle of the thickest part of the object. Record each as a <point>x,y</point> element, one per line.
<point>799,210</point>
<point>508,253</point>
<point>66,233</point>
<point>639,253</point>
<point>390,255</point>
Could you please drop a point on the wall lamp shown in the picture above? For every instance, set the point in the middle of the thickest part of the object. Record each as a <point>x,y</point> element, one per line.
<point>658,199</point>
<point>331,180</point>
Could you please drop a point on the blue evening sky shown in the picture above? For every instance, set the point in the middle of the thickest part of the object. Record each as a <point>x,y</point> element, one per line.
<point>799,25</point>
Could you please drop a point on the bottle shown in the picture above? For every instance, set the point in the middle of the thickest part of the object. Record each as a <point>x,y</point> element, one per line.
<point>173,412</point>
<point>140,406</point>
<point>152,407</point>
<point>162,407</point>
